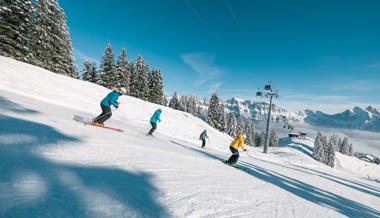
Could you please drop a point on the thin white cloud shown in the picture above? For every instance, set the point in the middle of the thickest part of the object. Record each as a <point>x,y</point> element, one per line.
<point>326,103</point>
<point>203,64</point>
<point>214,87</point>
<point>325,98</point>
<point>356,85</point>
<point>82,57</point>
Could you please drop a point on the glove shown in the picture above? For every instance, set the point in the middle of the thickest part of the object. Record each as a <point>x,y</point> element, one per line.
<point>117,104</point>
<point>245,150</point>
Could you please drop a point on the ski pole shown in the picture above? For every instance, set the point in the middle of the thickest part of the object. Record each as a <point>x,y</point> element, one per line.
<point>249,155</point>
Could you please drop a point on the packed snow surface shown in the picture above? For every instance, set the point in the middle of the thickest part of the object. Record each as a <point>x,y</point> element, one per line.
<point>53,166</point>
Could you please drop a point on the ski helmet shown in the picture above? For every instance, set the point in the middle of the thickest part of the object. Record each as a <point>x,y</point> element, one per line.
<point>123,91</point>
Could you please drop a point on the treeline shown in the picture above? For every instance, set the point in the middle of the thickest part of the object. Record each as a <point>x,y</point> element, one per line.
<point>36,32</point>
<point>216,117</point>
<point>324,151</point>
<point>135,77</point>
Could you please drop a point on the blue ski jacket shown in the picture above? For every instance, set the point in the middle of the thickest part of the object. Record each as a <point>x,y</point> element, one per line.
<point>111,99</point>
<point>156,116</point>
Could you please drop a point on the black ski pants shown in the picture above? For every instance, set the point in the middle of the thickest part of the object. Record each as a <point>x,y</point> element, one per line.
<point>234,157</point>
<point>203,143</point>
<point>154,127</point>
<point>105,115</point>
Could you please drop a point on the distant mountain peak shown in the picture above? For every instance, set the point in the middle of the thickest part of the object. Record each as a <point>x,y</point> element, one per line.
<point>372,110</point>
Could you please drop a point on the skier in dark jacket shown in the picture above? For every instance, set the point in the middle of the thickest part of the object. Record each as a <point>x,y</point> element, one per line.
<point>153,121</point>
<point>105,104</point>
<point>203,137</point>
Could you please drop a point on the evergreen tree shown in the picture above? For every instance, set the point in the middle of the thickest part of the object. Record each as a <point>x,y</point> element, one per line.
<point>108,77</point>
<point>165,101</point>
<point>350,150</point>
<point>334,139</point>
<point>216,116</point>
<point>273,139</point>
<point>319,150</point>
<point>231,124</point>
<point>330,160</point>
<point>249,131</point>
<point>174,103</point>
<point>62,48</point>
<point>50,41</point>
<point>345,146</point>
<point>133,91</point>
<point>155,87</point>
<point>41,43</point>
<point>86,70</point>
<point>192,104</point>
<point>183,103</point>
<point>260,139</point>
<point>122,74</point>
<point>16,18</point>
<point>239,125</point>
<point>93,76</point>
<point>142,86</point>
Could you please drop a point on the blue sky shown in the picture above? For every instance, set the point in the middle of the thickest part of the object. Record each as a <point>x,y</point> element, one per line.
<point>321,54</point>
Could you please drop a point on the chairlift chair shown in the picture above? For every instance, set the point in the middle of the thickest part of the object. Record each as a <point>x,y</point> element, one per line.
<point>268,87</point>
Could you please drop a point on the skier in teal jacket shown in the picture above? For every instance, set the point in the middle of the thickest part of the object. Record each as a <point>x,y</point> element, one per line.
<point>105,104</point>
<point>153,121</point>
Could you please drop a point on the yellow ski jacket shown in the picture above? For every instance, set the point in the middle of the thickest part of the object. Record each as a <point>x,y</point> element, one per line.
<point>238,142</point>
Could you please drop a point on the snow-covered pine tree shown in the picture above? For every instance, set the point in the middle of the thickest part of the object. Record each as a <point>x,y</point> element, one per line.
<point>249,131</point>
<point>174,102</point>
<point>216,116</point>
<point>141,86</point>
<point>319,150</point>
<point>156,86</point>
<point>260,139</point>
<point>350,150</point>
<point>239,125</point>
<point>273,139</point>
<point>345,146</point>
<point>86,70</point>
<point>231,124</point>
<point>133,91</point>
<point>41,44</point>
<point>107,66</point>
<point>93,76</point>
<point>334,139</point>
<point>183,103</point>
<point>123,76</point>
<point>16,17</point>
<point>165,101</point>
<point>63,58</point>
<point>192,104</point>
<point>330,153</point>
<point>50,42</point>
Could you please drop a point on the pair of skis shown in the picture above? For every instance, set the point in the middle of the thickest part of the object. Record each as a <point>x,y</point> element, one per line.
<point>85,122</point>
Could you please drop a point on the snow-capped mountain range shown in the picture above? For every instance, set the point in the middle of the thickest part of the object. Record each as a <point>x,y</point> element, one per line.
<point>356,118</point>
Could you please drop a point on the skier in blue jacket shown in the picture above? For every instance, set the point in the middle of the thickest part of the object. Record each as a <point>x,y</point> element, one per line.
<point>105,104</point>
<point>153,121</point>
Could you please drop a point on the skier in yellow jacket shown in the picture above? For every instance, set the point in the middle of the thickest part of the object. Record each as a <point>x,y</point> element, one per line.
<point>234,148</point>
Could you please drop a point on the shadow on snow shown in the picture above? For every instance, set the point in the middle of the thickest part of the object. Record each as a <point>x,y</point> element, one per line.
<point>31,185</point>
<point>304,190</point>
